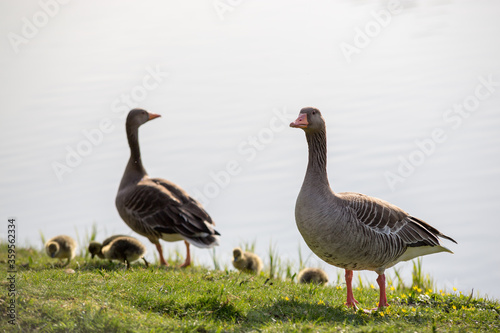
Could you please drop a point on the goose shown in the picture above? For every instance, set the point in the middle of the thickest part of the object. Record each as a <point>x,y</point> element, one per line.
<point>126,249</point>
<point>350,230</point>
<point>62,247</point>
<point>157,208</point>
<point>246,261</point>
<point>95,248</point>
<point>313,275</point>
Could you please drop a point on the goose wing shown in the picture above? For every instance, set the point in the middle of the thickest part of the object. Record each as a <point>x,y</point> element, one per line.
<point>382,217</point>
<point>165,208</point>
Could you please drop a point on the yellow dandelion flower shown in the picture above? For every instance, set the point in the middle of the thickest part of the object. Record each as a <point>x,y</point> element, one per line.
<point>381,314</point>
<point>287,299</point>
<point>454,289</point>
<point>440,291</point>
<point>419,290</point>
<point>321,303</point>
<point>403,310</point>
<point>392,288</point>
<point>413,309</point>
<point>429,290</point>
<point>454,307</point>
<point>403,296</point>
<point>415,287</point>
<point>338,287</point>
<point>372,286</point>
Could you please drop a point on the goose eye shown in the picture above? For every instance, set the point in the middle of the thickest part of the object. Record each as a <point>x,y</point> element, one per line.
<point>314,112</point>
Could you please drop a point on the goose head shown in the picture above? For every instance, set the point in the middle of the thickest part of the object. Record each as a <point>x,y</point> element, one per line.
<point>137,117</point>
<point>310,120</point>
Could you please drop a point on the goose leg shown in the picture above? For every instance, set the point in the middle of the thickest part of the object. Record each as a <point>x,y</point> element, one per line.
<point>383,297</point>
<point>351,301</point>
<point>160,252</point>
<point>187,262</point>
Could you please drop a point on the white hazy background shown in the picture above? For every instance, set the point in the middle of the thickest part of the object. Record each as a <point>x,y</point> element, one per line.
<point>233,67</point>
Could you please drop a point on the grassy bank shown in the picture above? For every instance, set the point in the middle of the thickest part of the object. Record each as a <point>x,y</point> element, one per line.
<point>99,296</point>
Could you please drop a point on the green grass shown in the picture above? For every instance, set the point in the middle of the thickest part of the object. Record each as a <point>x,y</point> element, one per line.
<point>104,297</point>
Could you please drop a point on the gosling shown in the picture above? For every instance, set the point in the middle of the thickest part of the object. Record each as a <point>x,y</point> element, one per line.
<point>62,247</point>
<point>246,261</point>
<point>126,249</point>
<point>95,248</point>
<point>313,275</point>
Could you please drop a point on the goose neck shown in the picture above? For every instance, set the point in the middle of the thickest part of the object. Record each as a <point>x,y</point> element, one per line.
<point>134,170</point>
<point>316,168</point>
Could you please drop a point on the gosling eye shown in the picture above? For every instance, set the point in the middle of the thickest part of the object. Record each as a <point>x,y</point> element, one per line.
<point>314,112</point>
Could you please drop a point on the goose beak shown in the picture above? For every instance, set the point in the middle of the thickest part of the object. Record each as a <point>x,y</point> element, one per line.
<point>301,121</point>
<point>153,116</point>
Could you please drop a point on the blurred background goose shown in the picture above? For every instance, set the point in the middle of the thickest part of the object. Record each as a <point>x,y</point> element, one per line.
<point>126,249</point>
<point>61,247</point>
<point>351,230</point>
<point>156,208</point>
<point>95,248</point>
<point>247,262</point>
<point>312,275</point>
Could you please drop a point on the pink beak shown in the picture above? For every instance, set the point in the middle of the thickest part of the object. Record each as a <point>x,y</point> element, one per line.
<point>301,121</point>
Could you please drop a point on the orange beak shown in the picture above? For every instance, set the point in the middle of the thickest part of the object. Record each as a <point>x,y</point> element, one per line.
<point>301,121</point>
<point>153,116</point>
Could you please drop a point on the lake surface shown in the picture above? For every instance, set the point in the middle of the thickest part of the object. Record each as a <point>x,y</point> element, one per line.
<point>410,93</point>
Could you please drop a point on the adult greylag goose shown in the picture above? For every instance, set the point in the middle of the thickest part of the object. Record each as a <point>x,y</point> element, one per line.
<point>313,275</point>
<point>126,249</point>
<point>351,230</point>
<point>247,262</point>
<point>62,247</point>
<point>95,248</point>
<point>157,208</point>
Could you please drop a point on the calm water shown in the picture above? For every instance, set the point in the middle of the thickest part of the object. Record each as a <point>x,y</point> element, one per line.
<point>409,98</point>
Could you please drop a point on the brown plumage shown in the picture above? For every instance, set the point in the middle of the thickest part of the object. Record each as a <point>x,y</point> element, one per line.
<point>126,249</point>
<point>312,275</point>
<point>247,262</point>
<point>62,247</point>
<point>157,208</point>
<point>95,248</point>
<point>351,230</point>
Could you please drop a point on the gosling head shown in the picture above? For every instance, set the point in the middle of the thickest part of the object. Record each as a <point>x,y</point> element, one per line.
<point>94,249</point>
<point>52,249</point>
<point>237,253</point>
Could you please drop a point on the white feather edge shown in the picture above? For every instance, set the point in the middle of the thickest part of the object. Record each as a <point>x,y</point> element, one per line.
<point>413,252</point>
